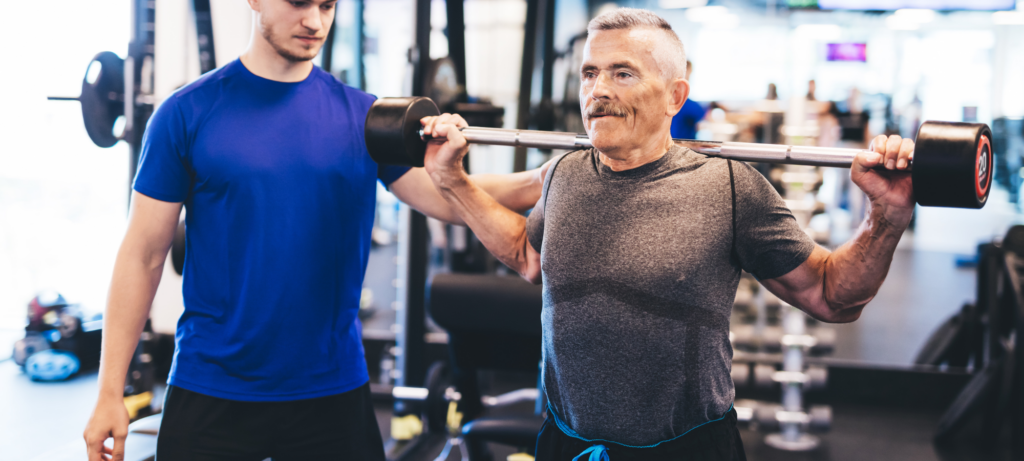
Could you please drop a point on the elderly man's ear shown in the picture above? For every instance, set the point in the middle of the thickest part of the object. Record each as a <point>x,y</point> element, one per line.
<point>678,91</point>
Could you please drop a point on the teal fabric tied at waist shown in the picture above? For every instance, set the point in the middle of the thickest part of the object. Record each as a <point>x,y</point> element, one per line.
<point>600,452</point>
<point>597,453</point>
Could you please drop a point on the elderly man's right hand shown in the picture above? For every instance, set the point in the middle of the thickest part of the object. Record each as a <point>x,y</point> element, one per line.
<point>443,160</point>
<point>109,420</point>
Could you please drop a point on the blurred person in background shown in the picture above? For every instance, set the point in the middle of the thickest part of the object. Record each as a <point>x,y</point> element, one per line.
<point>853,121</point>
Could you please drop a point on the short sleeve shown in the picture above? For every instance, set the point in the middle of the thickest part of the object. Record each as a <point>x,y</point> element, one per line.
<point>388,174</point>
<point>769,241</point>
<point>164,173</point>
<point>535,221</point>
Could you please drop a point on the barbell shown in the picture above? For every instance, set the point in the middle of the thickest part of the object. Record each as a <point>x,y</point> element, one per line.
<point>951,167</point>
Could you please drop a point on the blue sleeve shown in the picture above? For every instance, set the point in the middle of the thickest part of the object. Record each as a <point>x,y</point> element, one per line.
<point>387,174</point>
<point>164,173</point>
<point>695,111</point>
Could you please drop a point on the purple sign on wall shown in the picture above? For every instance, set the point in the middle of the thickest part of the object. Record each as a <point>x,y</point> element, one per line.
<point>847,52</point>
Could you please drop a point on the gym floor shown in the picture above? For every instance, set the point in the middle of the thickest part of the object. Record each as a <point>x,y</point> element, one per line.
<point>44,421</point>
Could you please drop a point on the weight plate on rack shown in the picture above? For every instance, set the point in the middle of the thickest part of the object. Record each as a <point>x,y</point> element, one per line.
<point>103,98</point>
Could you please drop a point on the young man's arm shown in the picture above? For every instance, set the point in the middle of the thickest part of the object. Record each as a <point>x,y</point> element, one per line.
<point>517,191</point>
<point>834,287</point>
<point>500,229</point>
<point>137,270</point>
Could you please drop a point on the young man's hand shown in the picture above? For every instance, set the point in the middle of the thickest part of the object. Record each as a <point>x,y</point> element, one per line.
<point>109,420</point>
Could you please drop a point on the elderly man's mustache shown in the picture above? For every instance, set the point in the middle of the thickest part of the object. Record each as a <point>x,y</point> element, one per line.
<point>604,109</point>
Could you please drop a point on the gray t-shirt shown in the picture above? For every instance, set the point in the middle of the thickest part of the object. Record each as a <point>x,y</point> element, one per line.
<point>640,271</point>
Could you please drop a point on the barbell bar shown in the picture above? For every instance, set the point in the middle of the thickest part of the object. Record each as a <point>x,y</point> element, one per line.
<point>951,167</point>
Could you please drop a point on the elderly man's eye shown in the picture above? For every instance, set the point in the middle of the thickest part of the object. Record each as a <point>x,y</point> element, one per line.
<point>625,75</point>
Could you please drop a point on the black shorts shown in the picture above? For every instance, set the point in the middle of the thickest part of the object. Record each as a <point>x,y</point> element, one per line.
<point>199,427</point>
<point>715,441</point>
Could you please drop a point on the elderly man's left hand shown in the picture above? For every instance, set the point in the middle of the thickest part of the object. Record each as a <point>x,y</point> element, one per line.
<point>889,188</point>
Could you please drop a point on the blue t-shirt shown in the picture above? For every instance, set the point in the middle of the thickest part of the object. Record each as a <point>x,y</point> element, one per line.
<point>684,124</point>
<point>280,195</point>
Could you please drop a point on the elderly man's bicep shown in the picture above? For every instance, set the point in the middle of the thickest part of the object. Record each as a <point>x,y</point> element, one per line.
<point>768,240</point>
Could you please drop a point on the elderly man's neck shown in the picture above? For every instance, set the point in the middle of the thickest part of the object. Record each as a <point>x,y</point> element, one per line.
<point>623,159</point>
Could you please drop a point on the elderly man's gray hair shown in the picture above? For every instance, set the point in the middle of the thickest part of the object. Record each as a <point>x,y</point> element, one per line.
<point>669,53</point>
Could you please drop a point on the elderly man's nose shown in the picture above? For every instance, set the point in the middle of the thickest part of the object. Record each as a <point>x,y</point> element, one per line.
<point>601,87</point>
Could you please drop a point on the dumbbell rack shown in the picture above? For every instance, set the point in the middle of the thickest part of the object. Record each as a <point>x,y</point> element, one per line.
<point>792,419</point>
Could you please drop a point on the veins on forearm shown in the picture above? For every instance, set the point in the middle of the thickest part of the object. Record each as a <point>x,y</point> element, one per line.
<point>501,230</point>
<point>855,272</point>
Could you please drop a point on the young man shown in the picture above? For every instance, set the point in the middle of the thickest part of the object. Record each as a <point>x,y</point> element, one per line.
<point>640,244</point>
<point>267,154</point>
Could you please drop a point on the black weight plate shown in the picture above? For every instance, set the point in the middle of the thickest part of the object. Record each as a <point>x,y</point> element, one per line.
<point>392,130</point>
<point>103,98</point>
<point>941,342</point>
<point>435,408</point>
<point>953,164</point>
<point>969,401</point>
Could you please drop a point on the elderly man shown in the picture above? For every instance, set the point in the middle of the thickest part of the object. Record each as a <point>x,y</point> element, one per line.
<point>640,244</point>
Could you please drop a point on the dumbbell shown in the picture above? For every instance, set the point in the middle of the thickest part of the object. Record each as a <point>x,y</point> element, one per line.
<point>952,164</point>
<point>769,417</point>
<point>766,377</point>
<point>746,337</point>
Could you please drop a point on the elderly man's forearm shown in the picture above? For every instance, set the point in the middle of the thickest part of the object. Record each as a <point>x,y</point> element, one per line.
<point>855,271</point>
<point>501,230</point>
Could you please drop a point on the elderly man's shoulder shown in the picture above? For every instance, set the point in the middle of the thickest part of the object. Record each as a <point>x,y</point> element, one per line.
<point>738,167</point>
